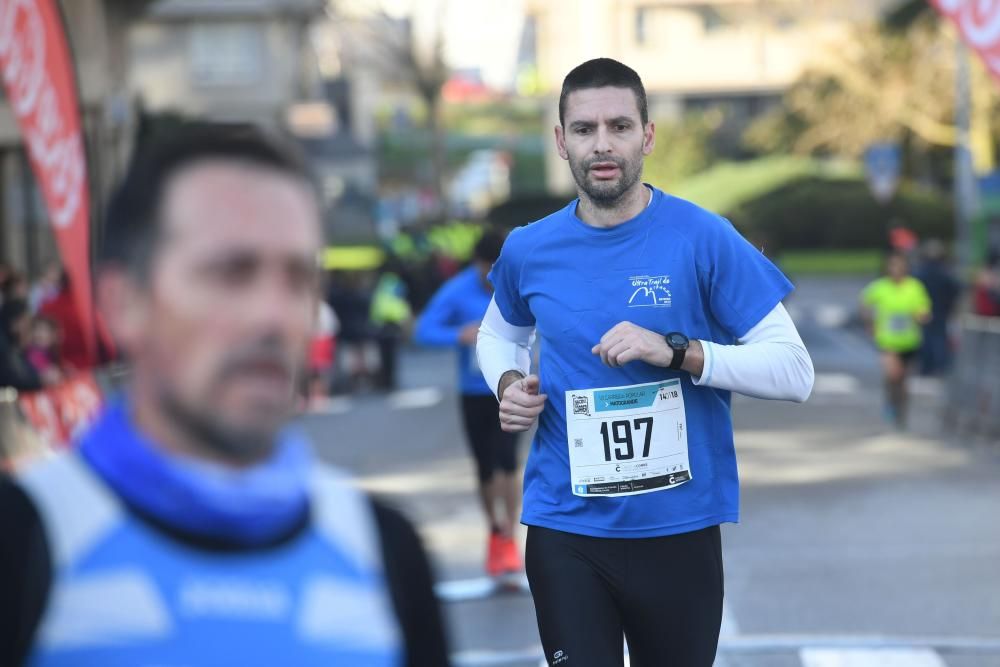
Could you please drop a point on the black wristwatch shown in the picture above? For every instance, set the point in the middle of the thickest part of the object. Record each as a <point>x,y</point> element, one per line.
<point>679,343</point>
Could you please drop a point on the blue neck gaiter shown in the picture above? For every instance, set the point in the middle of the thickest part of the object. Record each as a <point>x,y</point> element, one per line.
<point>248,506</point>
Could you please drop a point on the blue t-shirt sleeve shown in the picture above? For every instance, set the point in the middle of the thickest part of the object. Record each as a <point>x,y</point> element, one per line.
<point>742,284</point>
<point>506,280</point>
<point>438,324</point>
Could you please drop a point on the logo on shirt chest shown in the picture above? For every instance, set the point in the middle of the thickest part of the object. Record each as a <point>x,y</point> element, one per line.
<point>650,292</point>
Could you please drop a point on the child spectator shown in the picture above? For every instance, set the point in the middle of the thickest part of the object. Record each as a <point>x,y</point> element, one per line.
<point>43,350</point>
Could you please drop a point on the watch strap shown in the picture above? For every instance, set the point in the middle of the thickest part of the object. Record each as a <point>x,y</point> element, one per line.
<point>678,359</point>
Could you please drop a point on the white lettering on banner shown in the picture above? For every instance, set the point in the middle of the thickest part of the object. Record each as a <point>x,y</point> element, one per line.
<point>979,23</point>
<point>64,164</point>
<point>56,149</point>
<point>23,70</point>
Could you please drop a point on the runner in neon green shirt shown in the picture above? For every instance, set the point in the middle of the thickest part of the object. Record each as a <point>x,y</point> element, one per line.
<point>895,307</point>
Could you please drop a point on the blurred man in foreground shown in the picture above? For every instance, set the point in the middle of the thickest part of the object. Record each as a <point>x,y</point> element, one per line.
<point>189,526</point>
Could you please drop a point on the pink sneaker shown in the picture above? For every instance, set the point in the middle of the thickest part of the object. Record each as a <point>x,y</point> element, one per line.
<point>495,555</point>
<point>510,556</point>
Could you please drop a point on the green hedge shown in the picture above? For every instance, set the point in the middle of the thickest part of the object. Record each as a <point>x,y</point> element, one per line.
<point>831,262</point>
<point>727,185</point>
<point>815,212</point>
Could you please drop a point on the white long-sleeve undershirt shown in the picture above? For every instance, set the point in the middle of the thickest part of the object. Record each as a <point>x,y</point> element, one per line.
<point>502,347</point>
<point>770,362</point>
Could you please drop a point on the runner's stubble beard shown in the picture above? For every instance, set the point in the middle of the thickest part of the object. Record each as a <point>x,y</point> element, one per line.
<point>606,195</point>
<point>239,444</point>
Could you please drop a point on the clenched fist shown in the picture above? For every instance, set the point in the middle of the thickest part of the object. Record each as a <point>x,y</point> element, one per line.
<point>520,404</point>
<point>627,342</point>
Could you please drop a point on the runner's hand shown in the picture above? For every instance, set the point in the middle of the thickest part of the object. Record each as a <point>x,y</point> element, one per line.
<point>521,404</point>
<point>627,342</point>
<point>467,335</point>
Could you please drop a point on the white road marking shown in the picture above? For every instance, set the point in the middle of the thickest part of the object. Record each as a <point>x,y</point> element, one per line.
<point>926,386</point>
<point>814,650</point>
<point>832,316</point>
<point>836,383</point>
<point>331,406</point>
<point>411,399</point>
<point>496,658</point>
<point>864,657</point>
<point>828,316</point>
<point>465,590</point>
<point>730,628</point>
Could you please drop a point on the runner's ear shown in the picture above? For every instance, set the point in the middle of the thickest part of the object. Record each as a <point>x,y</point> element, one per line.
<point>121,307</point>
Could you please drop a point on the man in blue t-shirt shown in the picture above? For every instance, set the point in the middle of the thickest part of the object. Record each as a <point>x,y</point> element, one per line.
<point>650,312</point>
<point>452,318</point>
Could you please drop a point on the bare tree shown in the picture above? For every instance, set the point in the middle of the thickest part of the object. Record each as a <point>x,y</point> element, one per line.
<point>370,31</point>
<point>881,84</point>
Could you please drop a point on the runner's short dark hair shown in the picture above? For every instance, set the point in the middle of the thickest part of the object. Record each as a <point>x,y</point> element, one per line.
<point>488,246</point>
<point>601,72</point>
<point>132,228</point>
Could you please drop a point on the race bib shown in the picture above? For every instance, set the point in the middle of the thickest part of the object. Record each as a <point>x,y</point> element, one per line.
<point>900,323</point>
<point>624,441</point>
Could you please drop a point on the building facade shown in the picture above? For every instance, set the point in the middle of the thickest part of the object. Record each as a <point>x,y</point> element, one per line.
<point>96,31</point>
<point>740,55</point>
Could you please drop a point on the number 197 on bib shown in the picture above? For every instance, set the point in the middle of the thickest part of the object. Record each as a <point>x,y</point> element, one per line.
<point>620,433</point>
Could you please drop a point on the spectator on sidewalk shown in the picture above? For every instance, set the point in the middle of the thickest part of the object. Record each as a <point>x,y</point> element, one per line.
<point>62,310</point>
<point>322,351</point>
<point>14,287</point>
<point>349,296</point>
<point>46,288</point>
<point>986,288</point>
<point>15,331</point>
<point>390,317</point>
<point>5,272</point>
<point>944,290</point>
<point>43,350</point>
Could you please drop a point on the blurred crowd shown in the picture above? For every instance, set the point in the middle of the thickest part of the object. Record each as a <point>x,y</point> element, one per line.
<point>986,288</point>
<point>933,267</point>
<point>41,338</point>
<point>366,318</point>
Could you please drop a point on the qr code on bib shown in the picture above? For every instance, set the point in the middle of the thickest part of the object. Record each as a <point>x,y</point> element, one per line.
<point>578,442</point>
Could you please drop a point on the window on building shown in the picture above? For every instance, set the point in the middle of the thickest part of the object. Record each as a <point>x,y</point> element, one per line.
<point>641,25</point>
<point>786,22</point>
<point>227,54</point>
<point>712,19</point>
<point>527,50</point>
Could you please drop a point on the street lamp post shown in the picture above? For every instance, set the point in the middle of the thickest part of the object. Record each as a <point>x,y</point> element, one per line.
<point>965,190</point>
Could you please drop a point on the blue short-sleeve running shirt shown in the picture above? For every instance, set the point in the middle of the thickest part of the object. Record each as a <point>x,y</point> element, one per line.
<point>461,301</point>
<point>674,267</point>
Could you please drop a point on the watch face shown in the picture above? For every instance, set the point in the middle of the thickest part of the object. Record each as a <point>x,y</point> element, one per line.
<point>677,340</point>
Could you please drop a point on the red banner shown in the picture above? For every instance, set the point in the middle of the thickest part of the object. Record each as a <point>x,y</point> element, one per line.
<point>58,414</point>
<point>38,76</point>
<point>978,22</point>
